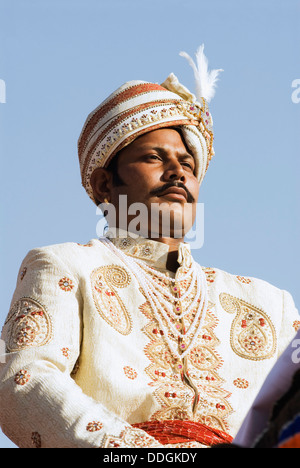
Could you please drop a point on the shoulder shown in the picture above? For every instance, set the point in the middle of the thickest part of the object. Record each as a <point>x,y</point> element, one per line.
<point>228,288</point>
<point>73,256</point>
<point>238,281</point>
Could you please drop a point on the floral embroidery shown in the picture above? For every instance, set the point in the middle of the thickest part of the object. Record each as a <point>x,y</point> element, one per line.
<point>36,440</point>
<point>28,324</point>
<point>252,335</point>
<point>130,372</point>
<point>124,243</point>
<point>22,377</point>
<point>244,280</point>
<point>130,437</point>
<point>241,383</point>
<point>210,274</point>
<point>94,426</point>
<point>66,284</point>
<point>296,325</point>
<point>23,273</point>
<point>66,352</point>
<point>105,282</point>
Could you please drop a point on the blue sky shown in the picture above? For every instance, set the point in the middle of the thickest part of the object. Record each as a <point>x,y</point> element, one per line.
<point>60,58</point>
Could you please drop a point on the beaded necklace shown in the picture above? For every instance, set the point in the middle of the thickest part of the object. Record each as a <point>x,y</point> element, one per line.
<point>162,301</point>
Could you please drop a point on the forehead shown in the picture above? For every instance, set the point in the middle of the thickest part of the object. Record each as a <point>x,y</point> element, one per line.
<point>167,139</point>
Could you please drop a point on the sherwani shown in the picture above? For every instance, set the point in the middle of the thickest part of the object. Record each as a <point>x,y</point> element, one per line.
<point>86,358</point>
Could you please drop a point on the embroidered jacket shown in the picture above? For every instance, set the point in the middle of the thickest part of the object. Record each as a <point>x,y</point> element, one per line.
<point>87,359</point>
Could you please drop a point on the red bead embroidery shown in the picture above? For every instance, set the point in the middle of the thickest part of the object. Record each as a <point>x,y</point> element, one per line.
<point>94,426</point>
<point>130,373</point>
<point>66,352</point>
<point>244,280</point>
<point>23,273</point>
<point>36,440</point>
<point>66,284</point>
<point>241,383</point>
<point>296,325</point>
<point>22,377</point>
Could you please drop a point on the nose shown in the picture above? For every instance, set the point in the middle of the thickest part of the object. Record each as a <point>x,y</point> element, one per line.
<point>174,171</point>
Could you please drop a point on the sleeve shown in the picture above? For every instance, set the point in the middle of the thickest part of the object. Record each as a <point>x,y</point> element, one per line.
<point>290,322</point>
<point>40,403</point>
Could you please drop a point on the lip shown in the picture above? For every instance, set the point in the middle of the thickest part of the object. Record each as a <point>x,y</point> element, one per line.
<point>176,193</point>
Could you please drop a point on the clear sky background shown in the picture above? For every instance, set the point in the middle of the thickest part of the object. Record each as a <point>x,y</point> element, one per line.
<point>61,58</point>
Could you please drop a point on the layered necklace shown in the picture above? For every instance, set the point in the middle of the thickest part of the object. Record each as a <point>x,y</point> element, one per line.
<point>165,303</point>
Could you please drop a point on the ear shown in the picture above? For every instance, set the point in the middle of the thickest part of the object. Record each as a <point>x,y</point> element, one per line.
<point>101,184</point>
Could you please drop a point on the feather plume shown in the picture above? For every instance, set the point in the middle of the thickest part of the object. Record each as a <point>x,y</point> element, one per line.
<point>205,80</point>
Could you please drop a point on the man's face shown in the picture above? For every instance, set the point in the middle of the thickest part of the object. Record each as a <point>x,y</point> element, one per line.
<point>157,171</point>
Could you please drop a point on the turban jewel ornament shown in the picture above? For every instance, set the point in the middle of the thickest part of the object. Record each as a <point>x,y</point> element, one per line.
<point>138,107</point>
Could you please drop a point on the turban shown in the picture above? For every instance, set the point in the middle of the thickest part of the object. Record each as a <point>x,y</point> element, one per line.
<point>138,107</point>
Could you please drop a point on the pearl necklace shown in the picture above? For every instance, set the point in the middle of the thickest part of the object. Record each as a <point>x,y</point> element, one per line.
<point>162,301</point>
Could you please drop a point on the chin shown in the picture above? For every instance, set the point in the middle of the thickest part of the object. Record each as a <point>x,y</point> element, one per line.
<point>172,219</point>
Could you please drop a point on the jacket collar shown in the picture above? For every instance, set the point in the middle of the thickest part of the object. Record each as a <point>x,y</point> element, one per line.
<point>152,252</point>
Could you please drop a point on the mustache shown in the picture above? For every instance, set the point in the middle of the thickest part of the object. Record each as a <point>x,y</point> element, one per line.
<point>159,190</point>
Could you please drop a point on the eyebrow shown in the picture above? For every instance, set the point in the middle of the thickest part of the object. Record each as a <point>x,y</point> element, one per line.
<point>163,152</point>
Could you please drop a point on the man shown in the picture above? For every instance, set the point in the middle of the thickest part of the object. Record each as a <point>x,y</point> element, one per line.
<point>126,341</point>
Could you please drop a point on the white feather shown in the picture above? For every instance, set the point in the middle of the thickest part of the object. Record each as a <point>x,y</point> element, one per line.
<point>205,80</point>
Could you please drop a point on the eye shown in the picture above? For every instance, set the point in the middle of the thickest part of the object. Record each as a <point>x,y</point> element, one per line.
<point>152,157</point>
<point>188,165</point>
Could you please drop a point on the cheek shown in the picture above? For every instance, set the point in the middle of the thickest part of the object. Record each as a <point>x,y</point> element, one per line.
<point>194,187</point>
<point>140,179</point>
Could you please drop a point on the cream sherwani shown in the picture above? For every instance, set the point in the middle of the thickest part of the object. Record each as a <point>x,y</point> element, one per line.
<point>87,358</point>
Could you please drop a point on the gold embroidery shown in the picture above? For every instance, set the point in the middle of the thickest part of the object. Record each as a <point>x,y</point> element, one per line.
<point>94,426</point>
<point>130,437</point>
<point>36,440</point>
<point>66,352</point>
<point>241,383</point>
<point>28,324</point>
<point>296,325</point>
<point>130,372</point>
<point>23,273</point>
<point>253,335</point>
<point>66,284</point>
<point>22,377</point>
<point>244,280</point>
<point>105,281</point>
<point>188,388</point>
<point>210,274</point>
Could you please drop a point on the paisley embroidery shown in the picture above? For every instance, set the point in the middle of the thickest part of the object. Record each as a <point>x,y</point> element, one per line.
<point>105,282</point>
<point>28,324</point>
<point>253,335</point>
